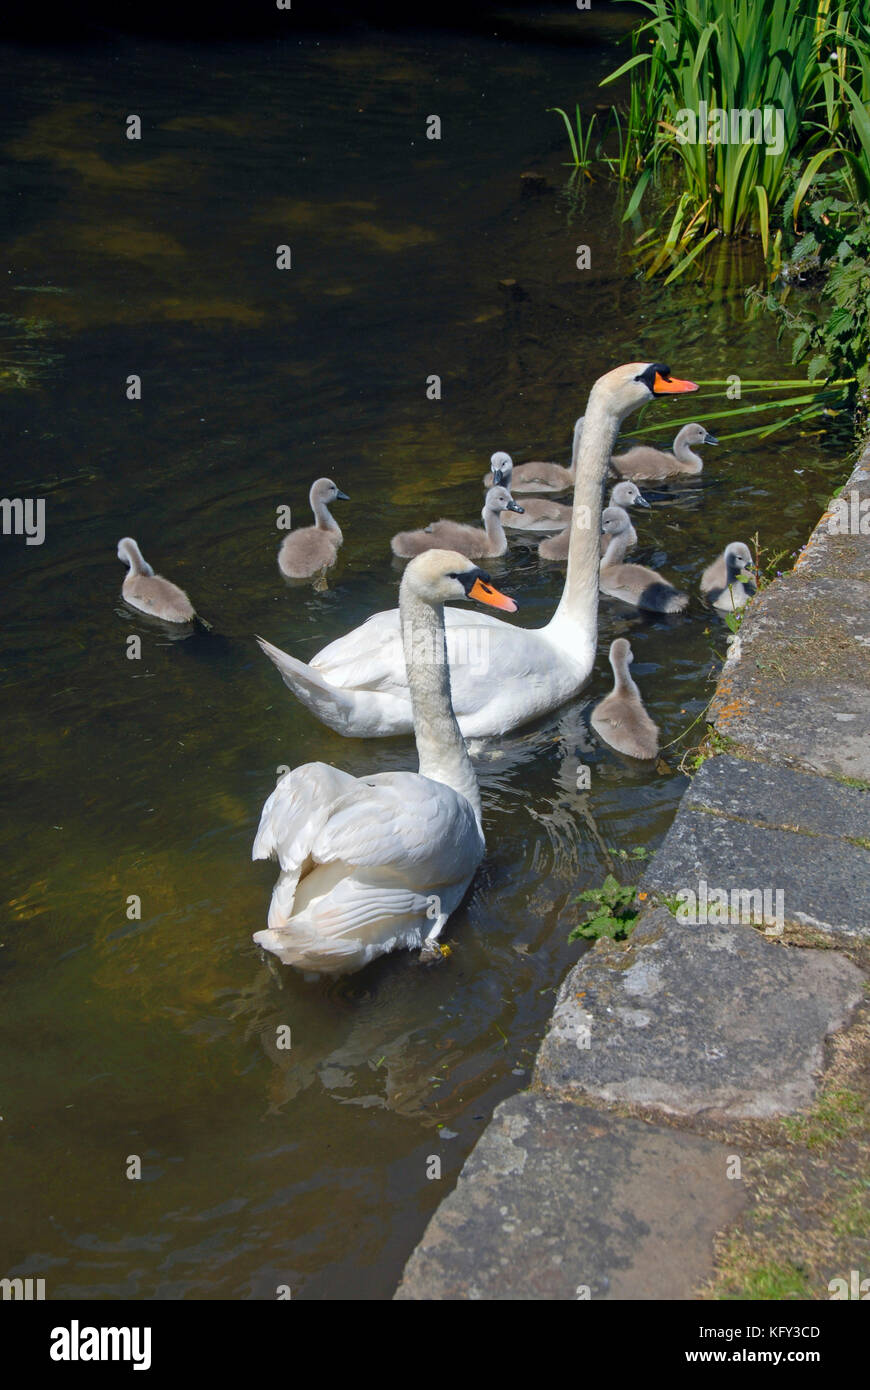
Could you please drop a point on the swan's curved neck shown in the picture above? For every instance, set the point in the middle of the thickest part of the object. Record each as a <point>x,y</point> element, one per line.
<point>623,684</point>
<point>323,517</point>
<point>616,549</point>
<point>693,463</point>
<point>440,745</point>
<point>136,560</point>
<point>574,625</point>
<point>492,524</point>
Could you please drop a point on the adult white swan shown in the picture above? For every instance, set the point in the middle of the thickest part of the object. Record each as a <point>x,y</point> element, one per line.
<point>501,676</point>
<point>371,864</point>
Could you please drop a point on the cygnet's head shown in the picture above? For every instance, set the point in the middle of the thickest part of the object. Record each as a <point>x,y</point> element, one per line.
<point>621,655</point>
<point>614,521</point>
<point>498,499</point>
<point>627,495</point>
<point>738,561</point>
<point>696,434</point>
<point>502,468</point>
<point>325,490</point>
<point>129,552</point>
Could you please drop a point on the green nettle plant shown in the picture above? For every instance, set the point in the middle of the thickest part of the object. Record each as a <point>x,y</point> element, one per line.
<point>832,257</point>
<point>613,914</point>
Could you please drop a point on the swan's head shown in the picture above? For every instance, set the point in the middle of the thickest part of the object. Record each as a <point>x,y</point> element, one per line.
<point>696,434</point>
<point>325,491</point>
<point>498,499</point>
<point>621,655</point>
<point>627,495</point>
<point>439,575</point>
<point>502,468</point>
<point>627,388</point>
<point>738,561</point>
<point>615,521</point>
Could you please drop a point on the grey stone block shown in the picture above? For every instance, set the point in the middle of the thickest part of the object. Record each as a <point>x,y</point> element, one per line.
<point>697,1020</point>
<point>780,798</point>
<point>823,880</point>
<point>556,1199</point>
<point>796,685</point>
<point>837,547</point>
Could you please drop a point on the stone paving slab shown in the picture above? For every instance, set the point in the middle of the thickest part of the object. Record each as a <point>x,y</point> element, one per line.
<point>697,1020</point>
<point>838,547</point>
<point>720,1021</point>
<point>796,685</point>
<point>823,881</point>
<point>557,1198</point>
<point>780,798</point>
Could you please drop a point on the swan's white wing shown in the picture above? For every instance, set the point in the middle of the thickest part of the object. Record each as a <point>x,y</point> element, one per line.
<point>368,658</point>
<point>479,646</point>
<point>400,819</point>
<point>373,858</point>
<point>393,820</point>
<point>354,924</point>
<point>295,812</point>
<point>501,675</point>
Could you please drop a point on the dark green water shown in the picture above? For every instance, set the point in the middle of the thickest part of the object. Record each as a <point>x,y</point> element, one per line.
<point>157,1037</point>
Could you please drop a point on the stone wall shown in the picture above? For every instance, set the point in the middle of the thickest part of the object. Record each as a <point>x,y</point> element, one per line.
<point>612,1175</point>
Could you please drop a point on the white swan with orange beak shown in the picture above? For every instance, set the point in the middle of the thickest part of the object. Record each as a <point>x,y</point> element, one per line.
<point>374,864</point>
<point>358,684</point>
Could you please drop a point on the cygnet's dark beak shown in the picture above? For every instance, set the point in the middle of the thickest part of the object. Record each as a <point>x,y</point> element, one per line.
<point>342,497</point>
<point>497,477</point>
<point>710,439</point>
<point>642,501</point>
<point>515,507</point>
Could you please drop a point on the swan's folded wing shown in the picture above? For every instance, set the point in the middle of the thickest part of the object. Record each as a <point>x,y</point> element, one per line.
<point>351,925</point>
<point>446,532</point>
<point>403,820</point>
<point>355,906</point>
<point>482,651</point>
<point>608,720</point>
<point>368,658</point>
<point>297,810</point>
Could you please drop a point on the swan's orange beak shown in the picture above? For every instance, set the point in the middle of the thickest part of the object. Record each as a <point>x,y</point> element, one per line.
<point>485,593</point>
<point>670,385</point>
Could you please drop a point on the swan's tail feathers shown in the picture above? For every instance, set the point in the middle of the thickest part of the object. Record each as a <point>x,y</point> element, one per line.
<point>281,905</point>
<point>675,603</point>
<point>662,598</point>
<point>343,933</point>
<point>329,703</point>
<point>309,951</point>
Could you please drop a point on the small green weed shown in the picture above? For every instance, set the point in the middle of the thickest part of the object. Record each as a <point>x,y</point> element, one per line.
<point>613,915</point>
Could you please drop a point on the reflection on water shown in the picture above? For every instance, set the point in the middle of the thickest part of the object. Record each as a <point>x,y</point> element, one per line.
<point>157,1035</point>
